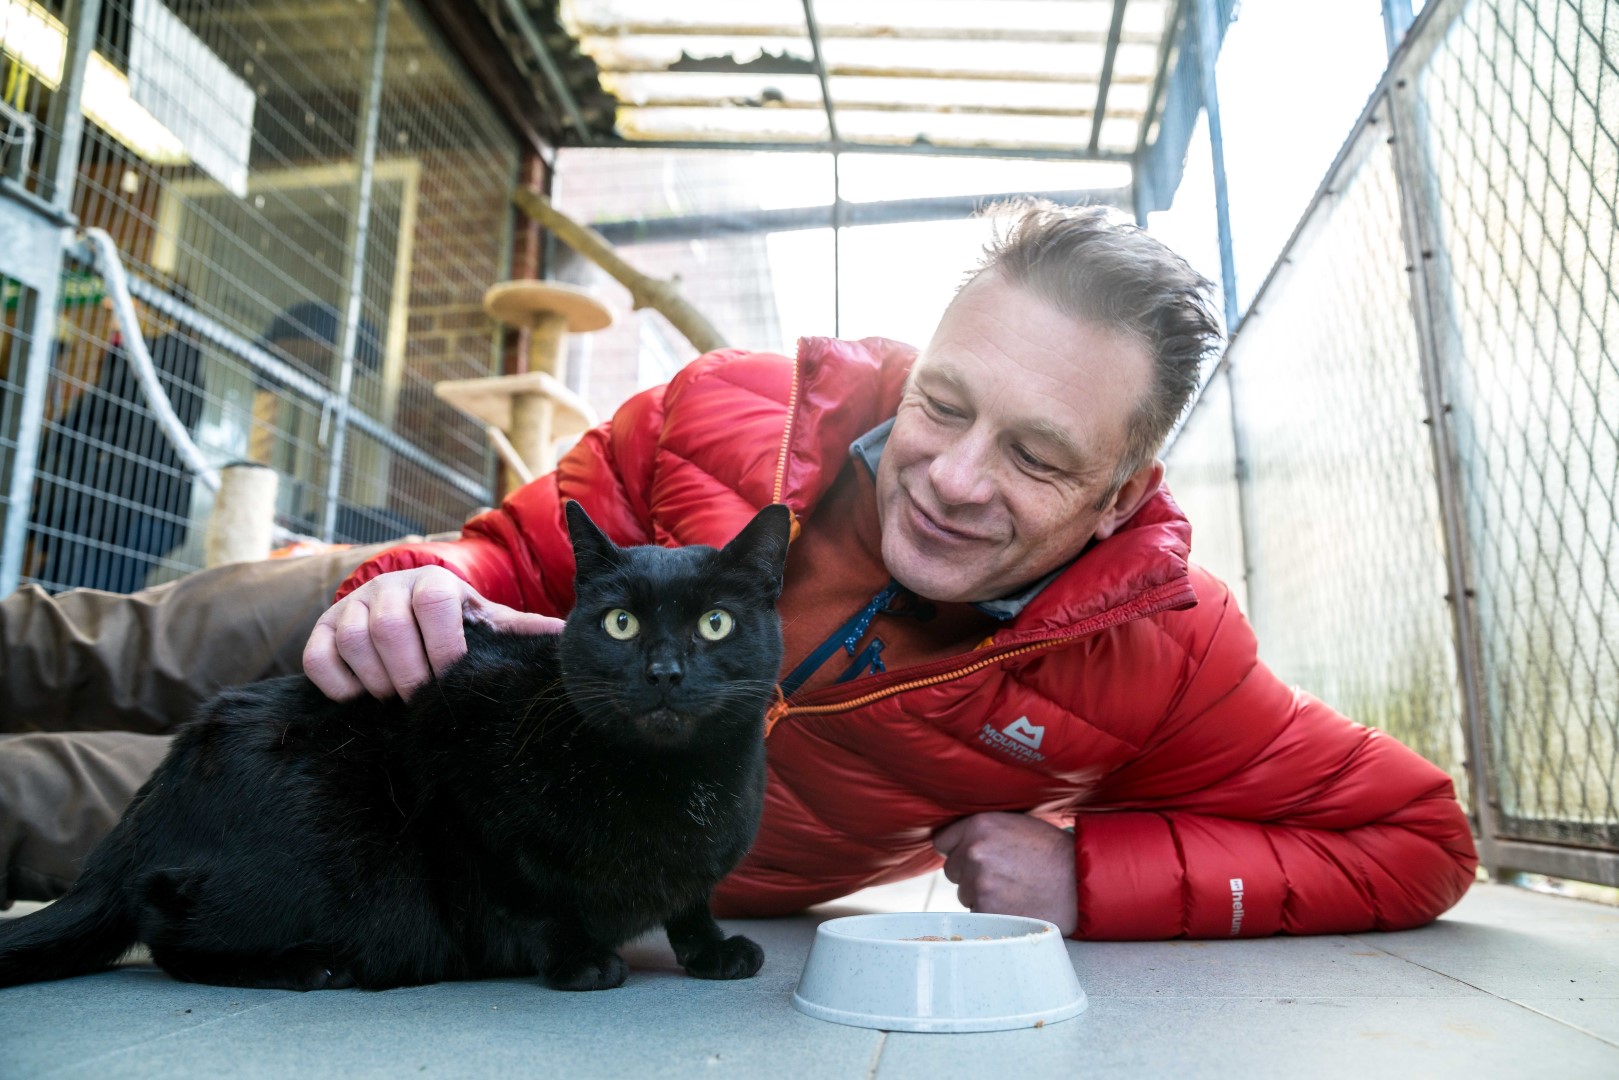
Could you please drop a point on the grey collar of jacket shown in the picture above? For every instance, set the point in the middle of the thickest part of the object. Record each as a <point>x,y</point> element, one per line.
<point>868,450</point>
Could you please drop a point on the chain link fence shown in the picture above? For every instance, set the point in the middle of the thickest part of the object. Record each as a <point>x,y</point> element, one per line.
<point>1425,395</point>
<point>1520,117</point>
<point>311,200</point>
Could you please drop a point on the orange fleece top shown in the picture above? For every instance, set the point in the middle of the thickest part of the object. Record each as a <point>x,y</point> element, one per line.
<point>835,569</point>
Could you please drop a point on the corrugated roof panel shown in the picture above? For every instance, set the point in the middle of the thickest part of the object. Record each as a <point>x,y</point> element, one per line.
<point>743,89</point>
<point>965,129</point>
<point>642,17</point>
<point>1039,20</point>
<point>1128,99</point>
<point>1065,61</point>
<point>689,89</point>
<point>1087,19</point>
<point>660,52</point>
<point>1014,73</point>
<point>1061,61</point>
<point>969,95</point>
<point>1135,62</point>
<point>1148,17</point>
<point>1119,133</point>
<point>727,124</point>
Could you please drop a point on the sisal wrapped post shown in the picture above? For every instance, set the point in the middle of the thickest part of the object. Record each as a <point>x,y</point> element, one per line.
<point>533,409</point>
<point>243,522</point>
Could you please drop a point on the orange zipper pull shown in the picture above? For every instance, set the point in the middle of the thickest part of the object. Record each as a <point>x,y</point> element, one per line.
<point>777,710</point>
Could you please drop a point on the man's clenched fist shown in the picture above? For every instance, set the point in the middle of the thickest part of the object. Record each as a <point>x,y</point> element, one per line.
<point>1012,864</point>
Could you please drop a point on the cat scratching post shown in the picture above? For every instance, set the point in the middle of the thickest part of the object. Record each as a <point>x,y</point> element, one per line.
<point>242,526</point>
<point>535,409</point>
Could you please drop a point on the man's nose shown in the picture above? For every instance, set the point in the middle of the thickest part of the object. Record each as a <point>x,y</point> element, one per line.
<point>960,474</point>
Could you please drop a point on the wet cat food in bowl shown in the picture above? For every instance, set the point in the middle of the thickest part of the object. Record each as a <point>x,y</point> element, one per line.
<point>936,971</point>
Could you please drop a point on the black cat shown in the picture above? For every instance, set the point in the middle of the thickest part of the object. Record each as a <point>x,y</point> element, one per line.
<point>540,803</point>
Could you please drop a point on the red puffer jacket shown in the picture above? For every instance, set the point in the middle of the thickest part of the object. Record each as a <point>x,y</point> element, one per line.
<point>1207,798</point>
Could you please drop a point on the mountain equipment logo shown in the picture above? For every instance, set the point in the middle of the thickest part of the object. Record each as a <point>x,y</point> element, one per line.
<point>1024,732</point>
<point>1020,739</point>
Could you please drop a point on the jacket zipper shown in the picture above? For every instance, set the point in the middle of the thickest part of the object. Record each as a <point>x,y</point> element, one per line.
<point>786,438</point>
<point>1150,603</point>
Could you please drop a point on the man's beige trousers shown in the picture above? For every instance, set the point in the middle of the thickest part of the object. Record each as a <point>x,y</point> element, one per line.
<point>92,682</point>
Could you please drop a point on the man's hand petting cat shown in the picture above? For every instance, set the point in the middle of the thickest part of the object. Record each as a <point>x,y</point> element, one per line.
<point>389,635</point>
<point>1012,864</point>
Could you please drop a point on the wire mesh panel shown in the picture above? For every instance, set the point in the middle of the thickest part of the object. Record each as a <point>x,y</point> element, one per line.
<point>1522,109</point>
<point>1201,471</point>
<point>224,153</point>
<point>34,35</point>
<point>14,344</point>
<point>1348,593</point>
<point>112,499</point>
<point>760,290</point>
<point>420,502</point>
<point>439,235</point>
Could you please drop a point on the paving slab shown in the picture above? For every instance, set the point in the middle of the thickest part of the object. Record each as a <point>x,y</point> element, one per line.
<point>1190,1038</point>
<point>1554,954</point>
<point>1505,984</point>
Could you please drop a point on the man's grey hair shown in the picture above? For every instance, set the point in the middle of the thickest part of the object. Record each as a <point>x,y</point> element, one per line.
<point>1093,265</point>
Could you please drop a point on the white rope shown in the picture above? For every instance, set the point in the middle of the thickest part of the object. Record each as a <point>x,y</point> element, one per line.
<point>111,269</point>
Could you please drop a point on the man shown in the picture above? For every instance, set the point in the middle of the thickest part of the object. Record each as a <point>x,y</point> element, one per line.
<point>992,627</point>
<point>115,495</point>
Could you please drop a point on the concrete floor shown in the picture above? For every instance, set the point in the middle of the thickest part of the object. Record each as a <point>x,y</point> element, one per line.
<point>1510,983</point>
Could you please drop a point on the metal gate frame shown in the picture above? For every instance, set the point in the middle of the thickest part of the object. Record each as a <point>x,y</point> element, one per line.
<point>1417,39</point>
<point>37,243</point>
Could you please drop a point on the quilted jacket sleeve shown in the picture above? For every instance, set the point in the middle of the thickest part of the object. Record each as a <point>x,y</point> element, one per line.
<point>1255,809</point>
<point>519,554</point>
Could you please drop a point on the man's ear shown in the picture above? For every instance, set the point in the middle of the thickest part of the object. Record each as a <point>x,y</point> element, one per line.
<point>593,553</point>
<point>762,544</point>
<point>1131,496</point>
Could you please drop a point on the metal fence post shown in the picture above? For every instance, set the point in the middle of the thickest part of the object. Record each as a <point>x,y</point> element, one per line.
<point>1207,14</point>
<point>1208,51</point>
<point>67,118</point>
<point>1397,19</point>
<point>1429,304</point>
<point>356,274</point>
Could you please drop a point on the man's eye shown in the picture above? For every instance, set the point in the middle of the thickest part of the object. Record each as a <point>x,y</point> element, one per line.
<point>1029,461</point>
<point>939,408</point>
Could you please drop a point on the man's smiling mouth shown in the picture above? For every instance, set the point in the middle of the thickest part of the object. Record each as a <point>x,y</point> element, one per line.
<point>929,523</point>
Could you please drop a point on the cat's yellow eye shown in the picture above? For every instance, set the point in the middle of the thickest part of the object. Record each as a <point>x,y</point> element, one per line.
<point>715,624</point>
<point>621,625</point>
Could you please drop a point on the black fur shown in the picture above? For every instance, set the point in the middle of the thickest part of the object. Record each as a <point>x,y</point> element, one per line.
<point>545,800</point>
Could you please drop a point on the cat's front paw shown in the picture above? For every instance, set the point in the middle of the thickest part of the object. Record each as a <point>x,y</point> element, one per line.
<point>603,971</point>
<point>734,958</point>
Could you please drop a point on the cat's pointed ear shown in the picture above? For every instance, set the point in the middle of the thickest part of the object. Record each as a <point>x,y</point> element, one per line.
<point>593,552</point>
<point>762,543</point>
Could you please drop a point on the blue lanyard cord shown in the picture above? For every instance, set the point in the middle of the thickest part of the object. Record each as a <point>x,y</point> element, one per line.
<point>892,599</point>
<point>870,658</point>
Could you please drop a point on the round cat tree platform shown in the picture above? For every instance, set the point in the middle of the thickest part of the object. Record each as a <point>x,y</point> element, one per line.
<point>530,412</point>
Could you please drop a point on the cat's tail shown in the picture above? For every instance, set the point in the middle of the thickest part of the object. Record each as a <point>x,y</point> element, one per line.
<point>85,931</point>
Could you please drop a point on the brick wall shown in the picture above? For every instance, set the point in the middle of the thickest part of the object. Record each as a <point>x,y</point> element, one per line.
<point>458,252</point>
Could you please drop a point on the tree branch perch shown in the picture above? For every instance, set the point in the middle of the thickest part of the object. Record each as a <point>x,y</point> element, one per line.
<point>661,296</point>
